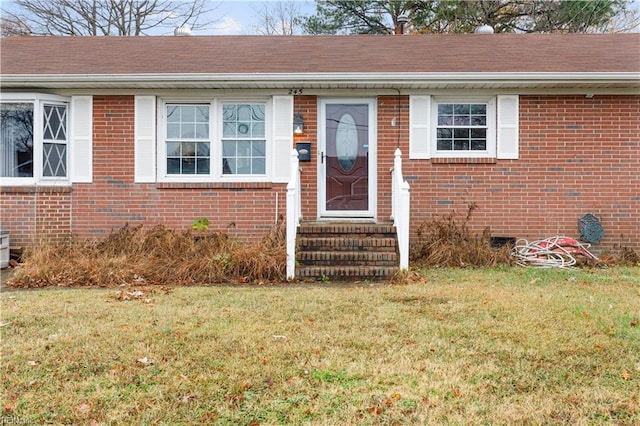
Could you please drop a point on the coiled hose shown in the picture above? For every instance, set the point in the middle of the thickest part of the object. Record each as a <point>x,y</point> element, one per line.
<point>552,252</point>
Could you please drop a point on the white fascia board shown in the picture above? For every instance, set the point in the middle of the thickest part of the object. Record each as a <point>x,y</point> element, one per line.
<point>285,79</point>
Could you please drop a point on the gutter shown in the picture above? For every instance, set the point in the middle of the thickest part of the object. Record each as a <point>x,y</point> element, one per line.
<point>286,80</point>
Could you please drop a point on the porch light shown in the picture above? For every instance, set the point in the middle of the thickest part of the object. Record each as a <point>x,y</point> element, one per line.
<point>298,124</point>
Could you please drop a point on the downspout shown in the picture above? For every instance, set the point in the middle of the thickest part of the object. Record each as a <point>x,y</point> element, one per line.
<point>399,114</point>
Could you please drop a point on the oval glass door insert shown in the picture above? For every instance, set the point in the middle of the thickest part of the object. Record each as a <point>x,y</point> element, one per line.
<point>347,141</point>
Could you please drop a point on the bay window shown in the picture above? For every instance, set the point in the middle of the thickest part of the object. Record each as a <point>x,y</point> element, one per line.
<point>16,140</point>
<point>34,139</point>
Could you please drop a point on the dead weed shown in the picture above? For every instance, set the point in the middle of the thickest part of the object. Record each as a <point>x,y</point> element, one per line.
<point>448,241</point>
<point>153,255</point>
<point>621,256</point>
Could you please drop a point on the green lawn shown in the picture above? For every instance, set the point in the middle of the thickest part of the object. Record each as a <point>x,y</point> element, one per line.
<point>490,346</point>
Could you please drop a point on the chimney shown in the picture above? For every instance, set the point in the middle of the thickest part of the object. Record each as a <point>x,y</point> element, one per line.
<point>401,21</point>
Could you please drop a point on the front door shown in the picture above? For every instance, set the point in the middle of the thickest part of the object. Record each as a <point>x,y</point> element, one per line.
<point>347,159</point>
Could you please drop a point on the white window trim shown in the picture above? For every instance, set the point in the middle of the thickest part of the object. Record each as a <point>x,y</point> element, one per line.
<point>215,132</point>
<point>490,152</point>
<point>38,100</point>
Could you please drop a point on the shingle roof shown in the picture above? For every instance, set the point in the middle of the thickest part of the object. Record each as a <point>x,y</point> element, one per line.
<point>316,55</point>
<point>319,54</point>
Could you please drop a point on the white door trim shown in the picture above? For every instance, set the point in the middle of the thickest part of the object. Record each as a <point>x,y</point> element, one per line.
<point>371,212</point>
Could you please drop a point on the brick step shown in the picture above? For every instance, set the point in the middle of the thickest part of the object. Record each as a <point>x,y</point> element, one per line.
<point>346,243</point>
<point>338,228</point>
<point>347,273</point>
<point>346,251</point>
<point>330,258</point>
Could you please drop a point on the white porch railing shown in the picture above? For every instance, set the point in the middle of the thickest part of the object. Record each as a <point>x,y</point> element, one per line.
<point>294,213</point>
<point>400,205</point>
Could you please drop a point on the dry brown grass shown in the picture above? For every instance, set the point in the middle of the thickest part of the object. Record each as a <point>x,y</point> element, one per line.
<point>621,256</point>
<point>448,241</point>
<point>153,255</point>
<point>502,346</point>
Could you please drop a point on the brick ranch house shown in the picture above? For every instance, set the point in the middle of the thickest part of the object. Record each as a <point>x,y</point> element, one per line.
<point>536,129</point>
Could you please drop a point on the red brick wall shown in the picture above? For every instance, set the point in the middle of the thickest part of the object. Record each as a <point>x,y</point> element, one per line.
<point>308,107</point>
<point>577,156</point>
<point>246,211</point>
<point>32,214</point>
<point>393,133</point>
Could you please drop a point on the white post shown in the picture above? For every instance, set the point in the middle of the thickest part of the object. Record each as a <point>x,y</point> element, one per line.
<point>293,213</point>
<point>403,230</point>
<point>400,206</point>
<point>396,182</point>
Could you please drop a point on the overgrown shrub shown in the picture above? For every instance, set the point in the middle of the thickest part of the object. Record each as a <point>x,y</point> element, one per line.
<point>620,256</point>
<point>154,255</point>
<point>448,241</point>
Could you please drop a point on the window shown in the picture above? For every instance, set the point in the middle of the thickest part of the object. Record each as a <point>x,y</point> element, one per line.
<point>54,146</point>
<point>187,145</point>
<point>217,140</point>
<point>459,127</point>
<point>33,141</point>
<point>464,127</point>
<point>243,139</point>
<point>16,140</point>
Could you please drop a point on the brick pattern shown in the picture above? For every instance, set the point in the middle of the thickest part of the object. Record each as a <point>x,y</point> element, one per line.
<point>577,155</point>
<point>31,214</point>
<point>393,133</point>
<point>308,107</point>
<point>346,251</point>
<point>245,211</point>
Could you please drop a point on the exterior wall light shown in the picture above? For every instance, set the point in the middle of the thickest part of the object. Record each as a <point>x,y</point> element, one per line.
<point>298,124</point>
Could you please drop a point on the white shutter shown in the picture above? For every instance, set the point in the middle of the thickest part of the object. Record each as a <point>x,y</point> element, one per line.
<point>81,141</point>
<point>145,139</point>
<point>282,142</point>
<point>419,125</point>
<point>507,127</point>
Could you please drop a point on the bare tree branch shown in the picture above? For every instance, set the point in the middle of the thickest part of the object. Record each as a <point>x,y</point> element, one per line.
<point>103,17</point>
<point>278,18</point>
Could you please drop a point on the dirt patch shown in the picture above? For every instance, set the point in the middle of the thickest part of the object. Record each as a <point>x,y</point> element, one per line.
<point>5,275</point>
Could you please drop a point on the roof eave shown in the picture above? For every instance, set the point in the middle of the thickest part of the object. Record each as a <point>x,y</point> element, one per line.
<point>322,80</point>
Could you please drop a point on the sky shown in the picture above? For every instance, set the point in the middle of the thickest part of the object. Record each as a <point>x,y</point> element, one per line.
<point>227,17</point>
<point>235,17</point>
<point>240,16</point>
